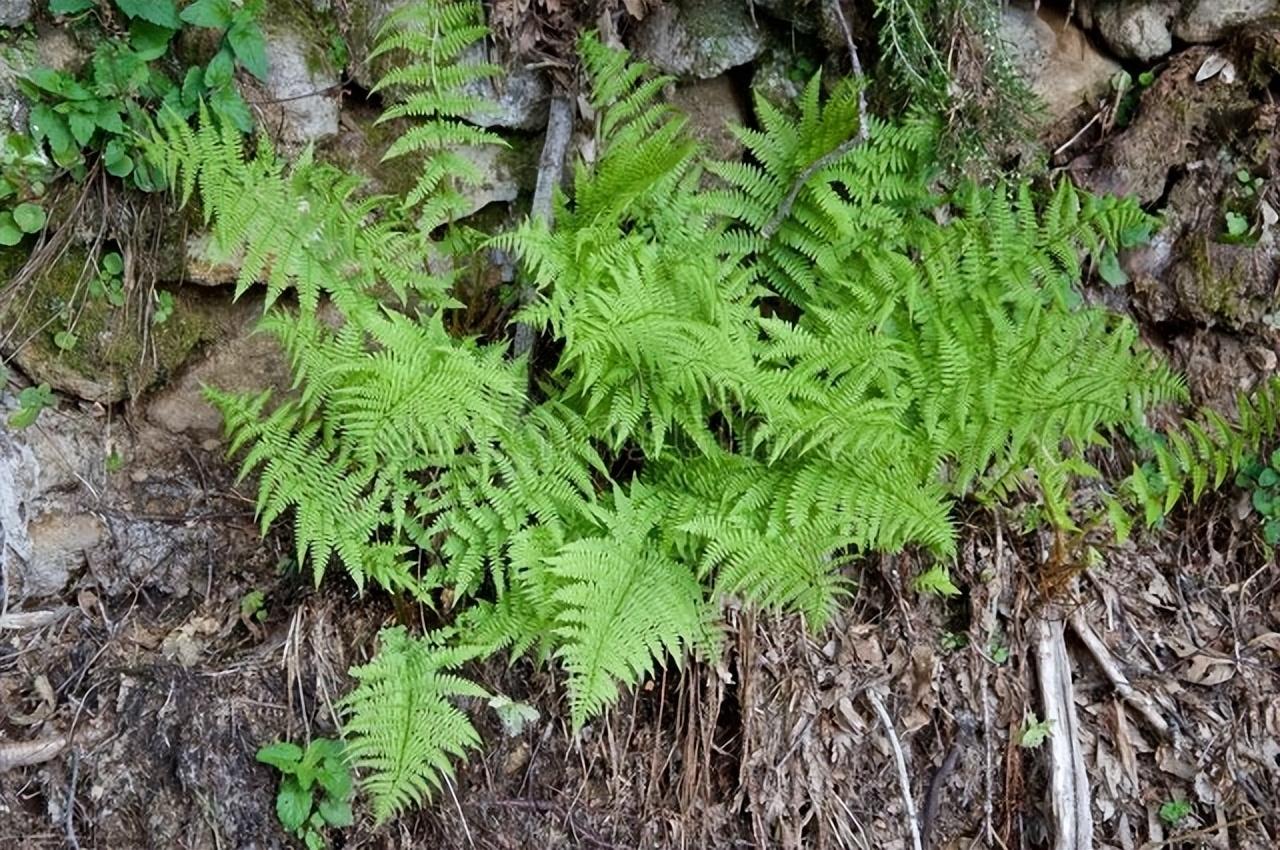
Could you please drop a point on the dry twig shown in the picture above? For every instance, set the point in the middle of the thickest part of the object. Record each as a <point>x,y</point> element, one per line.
<point>908,801</point>
<point>1102,656</point>
<point>1068,783</point>
<point>550,171</point>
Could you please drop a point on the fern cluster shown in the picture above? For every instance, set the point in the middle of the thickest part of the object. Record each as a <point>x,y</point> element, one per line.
<point>729,413</point>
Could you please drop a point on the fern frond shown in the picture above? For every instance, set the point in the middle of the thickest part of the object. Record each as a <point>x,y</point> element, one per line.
<point>402,728</point>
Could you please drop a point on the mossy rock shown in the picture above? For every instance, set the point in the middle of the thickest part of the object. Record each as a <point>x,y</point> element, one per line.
<point>118,353</point>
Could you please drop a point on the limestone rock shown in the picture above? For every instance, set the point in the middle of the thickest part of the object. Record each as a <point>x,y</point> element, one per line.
<point>116,354</point>
<point>1210,20</point>
<point>60,542</point>
<point>1136,30</point>
<point>204,267</point>
<point>14,13</point>
<point>500,183</point>
<point>301,89</point>
<point>712,106</point>
<point>518,98</point>
<point>1056,59</point>
<point>699,38</point>
<point>245,361</point>
<point>366,18</point>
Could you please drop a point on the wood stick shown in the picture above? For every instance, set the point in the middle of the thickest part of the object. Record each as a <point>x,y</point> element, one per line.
<point>1102,656</point>
<point>1068,784</point>
<point>550,170</point>
<point>904,781</point>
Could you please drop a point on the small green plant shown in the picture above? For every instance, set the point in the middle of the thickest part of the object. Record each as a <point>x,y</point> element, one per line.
<point>31,401</point>
<point>102,110</point>
<point>1128,93</point>
<point>936,580</point>
<point>163,309</point>
<point>1034,732</point>
<point>253,606</point>
<point>25,172</point>
<point>1263,480</point>
<point>109,283</point>
<point>1242,204</point>
<point>1173,812</point>
<point>315,788</point>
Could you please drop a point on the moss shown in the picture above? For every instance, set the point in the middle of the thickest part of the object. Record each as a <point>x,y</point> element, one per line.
<point>115,356</point>
<point>315,29</point>
<point>1215,292</point>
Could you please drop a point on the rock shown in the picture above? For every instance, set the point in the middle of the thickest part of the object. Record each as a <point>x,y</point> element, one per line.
<point>519,98</point>
<point>14,13</point>
<point>699,38</point>
<point>500,182</point>
<point>366,18</point>
<point>712,107</point>
<point>301,87</point>
<point>362,142</point>
<point>1166,131</point>
<point>59,544</point>
<point>1136,30</point>
<point>204,267</point>
<point>245,361</point>
<point>114,355</point>
<point>780,76</point>
<point>1211,20</point>
<point>1056,59</point>
<point>49,47</point>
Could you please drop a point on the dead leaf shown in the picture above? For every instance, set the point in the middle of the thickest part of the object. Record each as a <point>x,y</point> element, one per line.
<point>1213,64</point>
<point>1207,670</point>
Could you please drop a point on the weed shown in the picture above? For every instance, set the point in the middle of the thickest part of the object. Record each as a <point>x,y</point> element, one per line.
<point>315,788</point>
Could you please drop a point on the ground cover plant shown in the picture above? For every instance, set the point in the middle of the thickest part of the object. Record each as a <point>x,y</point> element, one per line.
<point>748,375</point>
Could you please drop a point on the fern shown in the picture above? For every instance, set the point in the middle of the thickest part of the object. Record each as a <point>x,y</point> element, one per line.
<point>401,727</point>
<point>428,39</point>
<point>1193,457</point>
<point>731,413</point>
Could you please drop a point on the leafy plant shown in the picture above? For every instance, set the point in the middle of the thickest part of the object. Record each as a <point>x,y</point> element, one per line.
<point>253,606</point>
<point>1195,456</point>
<point>31,401</point>
<point>315,788</point>
<point>109,282</point>
<point>936,580</point>
<point>102,110</point>
<point>1262,480</point>
<point>1034,732</point>
<point>1173,812</point>
<point>785,398</point>
<point>163,307</point>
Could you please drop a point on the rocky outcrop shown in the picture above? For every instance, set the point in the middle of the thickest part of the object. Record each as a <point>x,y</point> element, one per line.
<point>302,88</point>
<point>699,38</point>
<point>14,13</point>
<point>518,98</point>
<point>1139,30</point>
<point>1056,59</point>
<point>1202,150</point>
<point>1212,20</point>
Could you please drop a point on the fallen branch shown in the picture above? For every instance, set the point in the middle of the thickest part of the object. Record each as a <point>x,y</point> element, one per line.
<point>27,753</point>
<point>965,727</point>
<point>1142,703</point>
<point>550,170</point>
<point>1068,784</point>
<point>904,781</point>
